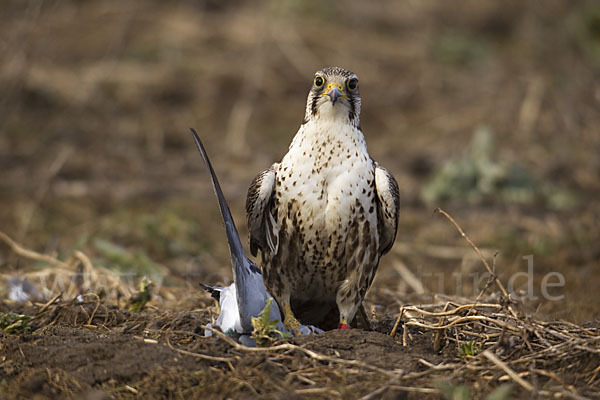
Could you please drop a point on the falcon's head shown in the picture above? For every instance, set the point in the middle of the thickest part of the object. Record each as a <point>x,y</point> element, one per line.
<point>334,95</point>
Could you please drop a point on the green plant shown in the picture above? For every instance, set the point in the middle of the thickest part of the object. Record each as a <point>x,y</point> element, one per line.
<point>13,323</point>
<point>468,349</point>
<point>265,331</point>
<point>139,300</point>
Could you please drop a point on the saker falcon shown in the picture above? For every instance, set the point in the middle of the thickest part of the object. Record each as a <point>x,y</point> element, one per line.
<point>325,214</point>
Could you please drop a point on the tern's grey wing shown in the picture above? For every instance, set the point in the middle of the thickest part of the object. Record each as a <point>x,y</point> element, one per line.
<point>388,204</point>
<point>250,288</point>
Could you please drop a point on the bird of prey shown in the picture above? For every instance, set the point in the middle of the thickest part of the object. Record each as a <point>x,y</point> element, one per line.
<point>324,215</point>
<point>246,297</point>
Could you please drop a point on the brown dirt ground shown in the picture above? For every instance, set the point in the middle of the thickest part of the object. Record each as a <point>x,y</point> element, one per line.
<point>91,350</point>
<point>76,355</point>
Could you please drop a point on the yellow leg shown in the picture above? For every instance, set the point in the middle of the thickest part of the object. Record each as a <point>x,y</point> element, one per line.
<point>290,322</point>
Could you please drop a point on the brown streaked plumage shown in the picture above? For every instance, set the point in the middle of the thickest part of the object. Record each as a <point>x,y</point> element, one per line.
<point>323,216</point>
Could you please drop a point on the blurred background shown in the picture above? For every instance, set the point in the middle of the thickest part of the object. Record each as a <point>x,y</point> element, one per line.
<point>490,110</point>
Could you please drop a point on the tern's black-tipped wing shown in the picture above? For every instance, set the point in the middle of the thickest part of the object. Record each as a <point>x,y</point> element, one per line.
<point>215,291</point>
<point>250,289</point>
<point>233,238</point>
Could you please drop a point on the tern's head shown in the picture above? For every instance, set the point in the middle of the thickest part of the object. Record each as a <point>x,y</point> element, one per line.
<point>334,95</point>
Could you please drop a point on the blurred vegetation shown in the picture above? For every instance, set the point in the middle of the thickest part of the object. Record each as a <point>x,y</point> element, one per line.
<point>584,24</point>
<point>462,392</point>
<point>97,97</point>
<point>143,296</point>
<point>478,177</point>
<point>120,259</point>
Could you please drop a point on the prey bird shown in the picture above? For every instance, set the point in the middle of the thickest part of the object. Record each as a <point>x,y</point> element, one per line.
<point>247,296</point>
<point>324,215</point>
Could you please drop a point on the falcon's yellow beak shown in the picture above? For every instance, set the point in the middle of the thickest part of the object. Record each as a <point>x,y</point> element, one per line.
<point>334,91</point>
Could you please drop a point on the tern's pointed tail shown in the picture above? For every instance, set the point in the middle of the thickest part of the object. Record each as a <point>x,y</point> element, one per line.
<point>233,238</point>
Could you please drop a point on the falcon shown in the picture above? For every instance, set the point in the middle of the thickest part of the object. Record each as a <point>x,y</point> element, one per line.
<point>324,215</point>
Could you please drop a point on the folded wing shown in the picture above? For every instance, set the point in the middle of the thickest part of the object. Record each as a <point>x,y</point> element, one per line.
<point>388,205</point>
<point>263,229</point>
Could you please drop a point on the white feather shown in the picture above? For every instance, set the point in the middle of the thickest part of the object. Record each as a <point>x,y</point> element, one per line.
<point>229,318</point>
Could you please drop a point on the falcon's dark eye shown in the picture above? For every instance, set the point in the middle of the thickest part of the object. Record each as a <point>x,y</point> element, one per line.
<point>319,81</point>
<point>352,83</point>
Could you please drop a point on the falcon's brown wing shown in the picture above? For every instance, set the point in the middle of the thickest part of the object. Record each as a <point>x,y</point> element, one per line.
<point>264,233</point>
<point>388,205</point>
